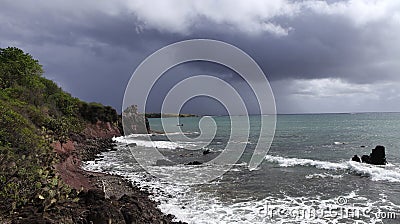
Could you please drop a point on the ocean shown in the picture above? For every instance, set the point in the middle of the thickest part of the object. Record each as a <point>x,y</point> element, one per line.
<point>306,177</point>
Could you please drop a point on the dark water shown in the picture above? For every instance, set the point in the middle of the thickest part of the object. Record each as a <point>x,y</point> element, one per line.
<point>305,178</point>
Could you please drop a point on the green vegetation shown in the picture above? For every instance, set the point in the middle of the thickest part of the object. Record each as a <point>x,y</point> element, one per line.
<point>94,111</point>
<point>35,112</point>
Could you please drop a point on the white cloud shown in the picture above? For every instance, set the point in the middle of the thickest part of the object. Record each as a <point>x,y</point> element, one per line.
<point>255,16</point>
<point>360,12</point>
<point>252,16</point>
<point>329,87</point>
<point>335,95</point>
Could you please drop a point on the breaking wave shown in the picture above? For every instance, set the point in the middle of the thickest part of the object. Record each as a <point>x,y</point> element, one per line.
<point>193,206</point>
<point>152,144</point>
<point>389,173</point>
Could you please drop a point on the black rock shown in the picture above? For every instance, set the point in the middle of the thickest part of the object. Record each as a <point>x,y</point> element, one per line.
<point>365,159</point>
<point>92,196</point>
<point>194,163</point>
<point>378,156</point>
<point>207,151</point>
<point>356,158</point>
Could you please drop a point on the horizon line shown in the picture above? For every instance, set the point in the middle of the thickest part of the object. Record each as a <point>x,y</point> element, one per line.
<point>306,113</point>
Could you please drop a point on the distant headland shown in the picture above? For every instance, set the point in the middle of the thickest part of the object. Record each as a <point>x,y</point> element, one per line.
<point>159,115</point>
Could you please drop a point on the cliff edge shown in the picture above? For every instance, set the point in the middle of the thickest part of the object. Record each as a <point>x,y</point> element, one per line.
<point>45,133</point>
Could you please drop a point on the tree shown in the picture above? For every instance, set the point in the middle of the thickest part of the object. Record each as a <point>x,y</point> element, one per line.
<point>17,67</point>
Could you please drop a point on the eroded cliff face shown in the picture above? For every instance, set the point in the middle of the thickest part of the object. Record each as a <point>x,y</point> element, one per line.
<point>101,130</point>
<point>95,138</point>
<point>123,203</point>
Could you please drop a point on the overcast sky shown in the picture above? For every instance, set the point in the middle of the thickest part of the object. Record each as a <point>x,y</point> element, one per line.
<point>319,56</point>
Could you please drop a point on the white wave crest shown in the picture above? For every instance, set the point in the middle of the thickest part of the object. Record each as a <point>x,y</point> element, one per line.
<point>286,162</point>
<point>194,206</point>
<point>377,173</point>
<point>323,175</point>
<point>152,144</point>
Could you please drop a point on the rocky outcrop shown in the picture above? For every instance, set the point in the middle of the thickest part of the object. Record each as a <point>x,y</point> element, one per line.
<point>134,122</point>
<point>194,163</point>
<point>356,158</point>
<point>102,198</point>
<point>95,138</point>
<point>119,202</point>
<point>377,157</point>
<point>207,151</point>
<point>101,129</point>
<point>110,199</point>
<point>365,158</point>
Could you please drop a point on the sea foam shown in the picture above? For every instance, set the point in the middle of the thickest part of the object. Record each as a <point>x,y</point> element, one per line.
<point>152,144</point>
<point>390,173</point>
<point>193,206</point>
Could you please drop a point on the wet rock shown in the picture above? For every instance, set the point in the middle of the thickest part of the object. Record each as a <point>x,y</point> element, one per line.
<point>89,148</point>
<point>356,158</point>
<point>207,151</point>
<point>365,158</point>
<point>194,163</point>
<point>92,196</point>
<point>377,157</point>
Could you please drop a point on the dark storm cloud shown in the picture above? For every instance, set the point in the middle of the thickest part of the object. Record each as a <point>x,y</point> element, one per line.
<point>320,47</point>
<point>91,55</point>
<point>92,48</point>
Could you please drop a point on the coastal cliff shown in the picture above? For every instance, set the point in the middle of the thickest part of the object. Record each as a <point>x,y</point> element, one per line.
<point>45,133</point>
<point>103,198</point>
<point>94,139</point>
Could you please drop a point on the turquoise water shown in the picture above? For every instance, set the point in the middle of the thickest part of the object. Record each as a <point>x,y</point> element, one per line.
<point>307,170</point>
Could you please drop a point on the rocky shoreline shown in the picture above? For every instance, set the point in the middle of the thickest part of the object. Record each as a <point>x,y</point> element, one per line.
<point>45,133</point>
<point>100,198</point>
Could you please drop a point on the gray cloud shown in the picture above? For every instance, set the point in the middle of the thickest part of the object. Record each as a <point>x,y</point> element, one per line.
<point>91,48</point>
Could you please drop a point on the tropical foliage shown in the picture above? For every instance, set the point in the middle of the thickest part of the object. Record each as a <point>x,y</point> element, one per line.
<point>34,112</point>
